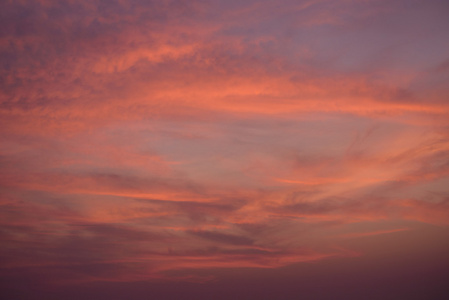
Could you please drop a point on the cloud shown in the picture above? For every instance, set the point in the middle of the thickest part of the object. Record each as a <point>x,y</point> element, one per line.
<point>146,139</point>
<point>85,65</point>
<point>223,237</point>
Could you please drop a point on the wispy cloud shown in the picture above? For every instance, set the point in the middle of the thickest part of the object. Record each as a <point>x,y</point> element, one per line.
<point>146,138</point>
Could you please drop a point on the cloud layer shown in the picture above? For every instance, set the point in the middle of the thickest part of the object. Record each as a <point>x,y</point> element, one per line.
<point>147,140</point>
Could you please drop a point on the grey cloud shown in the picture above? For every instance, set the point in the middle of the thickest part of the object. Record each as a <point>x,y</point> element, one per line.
<point>222,237</point>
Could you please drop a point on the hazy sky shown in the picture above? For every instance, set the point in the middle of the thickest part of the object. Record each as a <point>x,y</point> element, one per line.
<point>245,149</point>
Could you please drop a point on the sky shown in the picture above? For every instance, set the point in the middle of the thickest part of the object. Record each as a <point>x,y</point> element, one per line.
<point>211,149</point>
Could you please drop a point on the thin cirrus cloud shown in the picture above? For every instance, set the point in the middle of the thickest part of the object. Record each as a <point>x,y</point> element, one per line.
<point>148,140</point>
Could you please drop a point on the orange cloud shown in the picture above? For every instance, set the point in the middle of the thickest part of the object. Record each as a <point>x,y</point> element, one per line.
<point>146,139</point>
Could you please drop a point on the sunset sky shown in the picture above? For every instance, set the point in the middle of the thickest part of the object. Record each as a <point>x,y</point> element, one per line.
<point>224,149</point>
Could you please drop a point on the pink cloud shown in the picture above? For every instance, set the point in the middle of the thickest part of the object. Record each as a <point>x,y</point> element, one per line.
<point>166,140</point>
